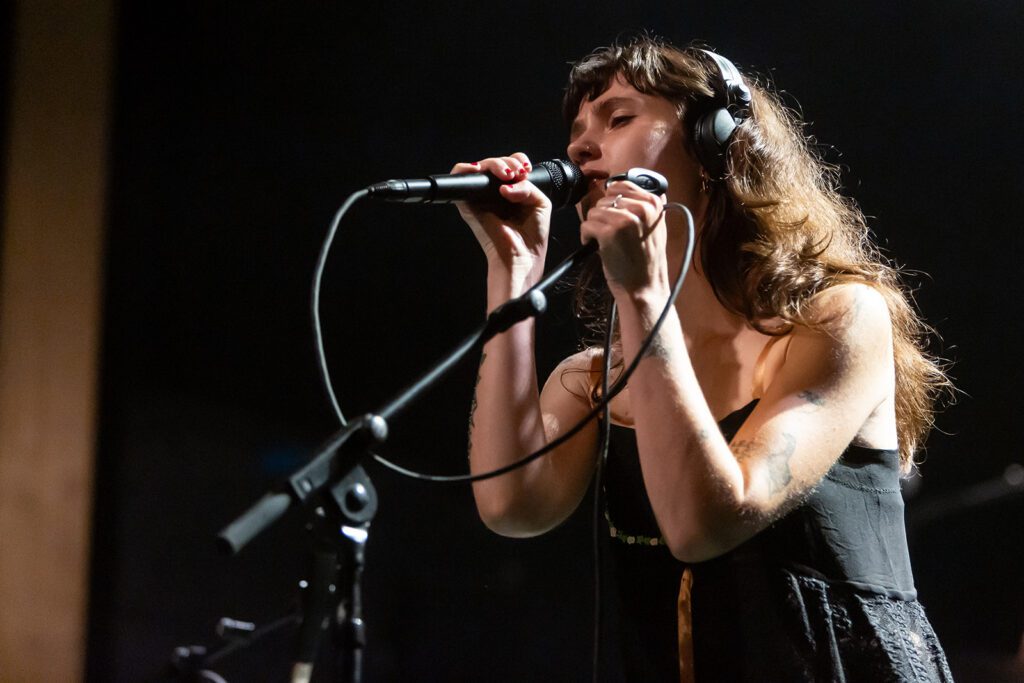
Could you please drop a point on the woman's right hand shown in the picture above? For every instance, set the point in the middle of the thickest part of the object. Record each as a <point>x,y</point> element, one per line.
<point>513,235</point>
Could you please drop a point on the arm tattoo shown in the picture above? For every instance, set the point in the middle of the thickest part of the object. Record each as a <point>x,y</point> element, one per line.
<point>658,349</point>
<point>853,314</point>
<point>813,398</point>
<point>742,450</point>
<point>776,459</point>
<point>472,405</point>
<point>779,474</point>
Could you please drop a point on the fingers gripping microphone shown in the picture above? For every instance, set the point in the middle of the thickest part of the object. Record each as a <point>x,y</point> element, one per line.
<point>562,181</point>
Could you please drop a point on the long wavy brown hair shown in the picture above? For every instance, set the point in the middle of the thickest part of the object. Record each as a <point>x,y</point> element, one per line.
<point>777,229</point>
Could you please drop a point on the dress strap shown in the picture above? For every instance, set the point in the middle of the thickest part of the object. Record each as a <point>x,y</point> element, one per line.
<point>759,366</point>
<point>596,369</point>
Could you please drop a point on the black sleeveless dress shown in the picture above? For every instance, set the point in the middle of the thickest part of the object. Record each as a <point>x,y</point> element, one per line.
<point>823,594</point>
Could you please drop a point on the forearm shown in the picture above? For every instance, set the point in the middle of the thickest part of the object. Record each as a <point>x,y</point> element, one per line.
<point>505,422</point>
<point>691,476</point>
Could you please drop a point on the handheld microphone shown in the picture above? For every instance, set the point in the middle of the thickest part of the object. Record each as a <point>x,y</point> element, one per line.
<point>562,181</point>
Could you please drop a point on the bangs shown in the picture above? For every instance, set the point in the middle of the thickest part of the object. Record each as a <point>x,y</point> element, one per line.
<point>649,65</point>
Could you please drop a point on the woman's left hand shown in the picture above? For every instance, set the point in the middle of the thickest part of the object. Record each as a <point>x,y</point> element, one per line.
<point>628,224</point>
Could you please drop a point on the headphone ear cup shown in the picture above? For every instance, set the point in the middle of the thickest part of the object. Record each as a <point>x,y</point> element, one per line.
<point>711,136</point>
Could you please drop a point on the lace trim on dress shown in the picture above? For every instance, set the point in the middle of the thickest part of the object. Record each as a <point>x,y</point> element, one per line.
<point>853,636</point>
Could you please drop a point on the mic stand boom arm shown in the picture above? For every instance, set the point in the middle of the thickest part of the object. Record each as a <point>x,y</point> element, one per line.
<point>345,495</point>
<point>340,453</point>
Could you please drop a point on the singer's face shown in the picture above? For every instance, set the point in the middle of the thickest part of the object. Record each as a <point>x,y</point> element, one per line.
<point>622,129</point>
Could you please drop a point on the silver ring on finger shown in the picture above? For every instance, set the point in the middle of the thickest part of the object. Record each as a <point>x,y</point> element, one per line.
<point>615,202</point>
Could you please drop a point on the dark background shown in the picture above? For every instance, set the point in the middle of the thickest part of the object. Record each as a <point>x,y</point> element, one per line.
<point>238,131</point>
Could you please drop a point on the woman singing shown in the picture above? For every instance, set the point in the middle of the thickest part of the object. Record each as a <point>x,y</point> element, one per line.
<point>752,484</point>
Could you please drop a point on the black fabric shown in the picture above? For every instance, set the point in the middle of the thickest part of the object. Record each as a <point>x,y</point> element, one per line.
<point>824,594</point>
<point>645,575</point>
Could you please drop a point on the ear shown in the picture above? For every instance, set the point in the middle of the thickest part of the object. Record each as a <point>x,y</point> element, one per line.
<point>713,130</point>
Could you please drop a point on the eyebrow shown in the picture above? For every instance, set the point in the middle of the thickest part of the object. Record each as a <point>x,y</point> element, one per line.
<point>601,109</point>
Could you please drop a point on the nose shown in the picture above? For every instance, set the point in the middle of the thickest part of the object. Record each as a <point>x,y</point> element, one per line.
<point>583,149</point>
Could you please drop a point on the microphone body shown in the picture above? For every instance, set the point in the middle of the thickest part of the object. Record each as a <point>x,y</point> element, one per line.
<point>562,181</point>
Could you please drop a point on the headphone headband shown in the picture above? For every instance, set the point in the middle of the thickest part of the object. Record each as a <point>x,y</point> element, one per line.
<point>714,130</point>
<point>737,94</point>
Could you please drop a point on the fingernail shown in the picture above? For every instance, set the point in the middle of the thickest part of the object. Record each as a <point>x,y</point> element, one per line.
<point>508,172</point>
<point>474,163</point>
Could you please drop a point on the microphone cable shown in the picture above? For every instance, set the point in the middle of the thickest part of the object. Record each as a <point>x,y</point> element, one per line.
<point>552,445</point>
<point>602,406</point>
<point>602,458</point>
<point>318,276</point>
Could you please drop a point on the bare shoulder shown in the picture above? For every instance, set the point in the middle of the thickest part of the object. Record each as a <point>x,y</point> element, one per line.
<point>854,315</point>
<point>575,375</point>
<point>835,387</point>
<point>845,349</point>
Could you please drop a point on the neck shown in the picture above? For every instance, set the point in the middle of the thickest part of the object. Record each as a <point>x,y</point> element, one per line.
<point>701,314</point>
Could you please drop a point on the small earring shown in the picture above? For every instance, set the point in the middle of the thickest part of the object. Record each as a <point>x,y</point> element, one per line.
<point>705,182</point>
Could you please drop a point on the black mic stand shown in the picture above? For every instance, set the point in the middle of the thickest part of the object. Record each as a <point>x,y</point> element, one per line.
<point>344,503</point>
<point>340,531</point>
<point>344,500</point>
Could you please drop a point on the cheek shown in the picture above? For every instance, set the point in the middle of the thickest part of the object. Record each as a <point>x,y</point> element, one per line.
<point>663,143</point>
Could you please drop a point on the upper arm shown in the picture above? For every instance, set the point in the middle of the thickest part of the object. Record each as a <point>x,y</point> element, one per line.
<point>564,401</point>
<point>548,490</point>
<point>835,375</point>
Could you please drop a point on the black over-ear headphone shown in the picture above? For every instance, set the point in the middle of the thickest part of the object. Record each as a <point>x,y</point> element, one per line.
<point>714,129</point>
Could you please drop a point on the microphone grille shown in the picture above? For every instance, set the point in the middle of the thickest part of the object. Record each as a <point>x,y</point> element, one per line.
<point>568,184</point>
